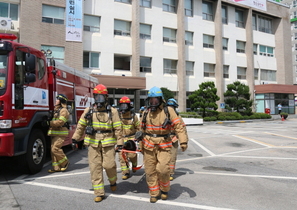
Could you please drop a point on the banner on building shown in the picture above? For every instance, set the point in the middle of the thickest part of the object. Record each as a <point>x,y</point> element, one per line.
<point>74,20</point>
<point>257,4</point>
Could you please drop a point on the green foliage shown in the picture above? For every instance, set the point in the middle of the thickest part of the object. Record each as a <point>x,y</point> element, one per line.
<point>283,113</point>
<point>209,118</point>
<point>237,96</point>
<point>205,99</point>
<point>189,115</point>
<point>167,94</point>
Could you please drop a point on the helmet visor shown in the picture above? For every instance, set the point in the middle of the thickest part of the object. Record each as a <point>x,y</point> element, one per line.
<point>154,101</point>
<point>99,98</point>
<point>124,107</point>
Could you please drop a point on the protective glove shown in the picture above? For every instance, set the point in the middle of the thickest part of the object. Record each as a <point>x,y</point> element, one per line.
<point>119,148</point>
<point>183,146</point>
<point>138,135</point>
<point>74,144</point>
<point>45,123</point>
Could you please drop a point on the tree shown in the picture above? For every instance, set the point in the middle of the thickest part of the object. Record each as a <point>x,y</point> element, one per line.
<point>167,93</point>
<point>205,98</point>
<point>237,96</point>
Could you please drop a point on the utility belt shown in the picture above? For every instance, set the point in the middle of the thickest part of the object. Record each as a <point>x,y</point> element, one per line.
<point>129,135</point>
<point>103,131</point>
<point>158,135</point>
<point>174,134</point>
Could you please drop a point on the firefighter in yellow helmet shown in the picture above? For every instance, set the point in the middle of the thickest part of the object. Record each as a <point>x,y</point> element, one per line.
<point>173,103</point>
<point>103,130</point>
<point>157,122</point>
<point>58,130</point>
<point>130,125</point>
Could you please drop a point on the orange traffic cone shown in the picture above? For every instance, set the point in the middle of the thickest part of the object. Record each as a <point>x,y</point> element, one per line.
<point>283,119</point>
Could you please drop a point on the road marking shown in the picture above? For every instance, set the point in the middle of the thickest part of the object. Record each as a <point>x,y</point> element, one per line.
<point>204,148</point>
<point>130,197</point>
<point>254,140</point>
<point>256,157</point>
<point>274,134</point>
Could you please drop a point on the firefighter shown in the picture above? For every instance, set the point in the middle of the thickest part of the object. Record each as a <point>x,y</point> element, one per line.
<point>130,125</point>
<point>157,122</point>
<point>173,103</point>
<point>58,130</point>
<point>103,130</point>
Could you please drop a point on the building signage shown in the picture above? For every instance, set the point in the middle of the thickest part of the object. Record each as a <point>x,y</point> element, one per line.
<point>257,4</point>
<point>74,20</point>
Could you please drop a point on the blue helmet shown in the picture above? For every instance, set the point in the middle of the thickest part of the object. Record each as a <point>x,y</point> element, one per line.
<point>172,102</point>
<point>155,92</point>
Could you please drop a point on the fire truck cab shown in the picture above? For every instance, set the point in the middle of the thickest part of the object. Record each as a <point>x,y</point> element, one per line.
<point>29,84</point>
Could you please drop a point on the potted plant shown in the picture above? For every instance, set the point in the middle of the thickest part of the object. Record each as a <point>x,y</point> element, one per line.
<point>284,114</point>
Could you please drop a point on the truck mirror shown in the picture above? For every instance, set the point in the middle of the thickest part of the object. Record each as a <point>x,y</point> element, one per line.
<point>30,62</point>
<point>30,78</point>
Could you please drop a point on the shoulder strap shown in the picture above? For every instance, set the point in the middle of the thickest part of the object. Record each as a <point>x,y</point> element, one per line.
<point>167,112</point>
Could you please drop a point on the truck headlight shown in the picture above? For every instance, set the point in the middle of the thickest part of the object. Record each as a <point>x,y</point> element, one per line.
<point>5,123</point>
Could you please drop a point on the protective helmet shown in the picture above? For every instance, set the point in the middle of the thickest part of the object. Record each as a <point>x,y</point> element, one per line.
<point>125,104</point>
<point>100,95</point>
<point>63,99</point>
<point>100,89</point>
<point>130,145</point>
<point>125,100</point>
<point>172,102</point>
<point>155,98</point>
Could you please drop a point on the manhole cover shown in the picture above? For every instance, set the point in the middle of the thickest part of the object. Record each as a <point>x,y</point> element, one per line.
<point>195,155</point>
<point>213,168</point>
<point>236,144</point>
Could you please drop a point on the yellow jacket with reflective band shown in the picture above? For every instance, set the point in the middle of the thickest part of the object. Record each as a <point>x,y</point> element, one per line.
<point>101,121</point>
<point>153,125</point>
<point>59,119</point>
<point>129,125</point>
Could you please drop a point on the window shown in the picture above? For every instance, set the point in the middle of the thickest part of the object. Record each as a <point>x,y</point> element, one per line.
<point>169,6</point>
<point>295,25</point>
<point>254,19</point>
<point>189,68</point>
<point>295,36</point>
<point>169,35</point>
<point>91,60</point>
<point>239,18</point>
<point>189,8</point>
<point>240,47</point>
<point>9,11</point>
<point>189,38</point>
<point>266,51</point>
<point>91,23</point>
<point>122,28</point>
<point>225,43</point>
<point>295,57</point>
<point>295,47</point>
<point>145,31</point>
<point>225,71</point>
<point>57,52</point>
<point>265,25</point>
<point>145,64</point>
<point>255,49</point>
<point>124,1</point>
<point>208,41</point>
<point>209,70</point>
<point>51,14</point>
<point>294,3</point>
<point>40,68</point>
<point>122,62</point>
<point>256,74</point>
<point>169,66</point>
<point>207,11</point>
<point>146,3</point>
<point>268,75</point>
<point>241,73</point>
<point>224,15</point>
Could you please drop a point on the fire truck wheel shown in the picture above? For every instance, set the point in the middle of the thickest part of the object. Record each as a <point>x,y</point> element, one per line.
<point>36,152</point>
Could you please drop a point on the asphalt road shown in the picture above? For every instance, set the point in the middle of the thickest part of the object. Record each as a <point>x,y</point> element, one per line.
<point>248,166</point>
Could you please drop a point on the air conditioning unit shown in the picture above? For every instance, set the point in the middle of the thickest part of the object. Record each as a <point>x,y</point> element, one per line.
<point>5,23</point>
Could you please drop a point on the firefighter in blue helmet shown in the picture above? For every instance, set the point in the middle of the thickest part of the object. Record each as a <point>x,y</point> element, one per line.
<point>157,123</point>
<point>173,103</point>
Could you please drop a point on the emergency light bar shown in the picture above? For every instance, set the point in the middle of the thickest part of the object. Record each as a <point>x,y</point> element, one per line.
<point>8,36</point>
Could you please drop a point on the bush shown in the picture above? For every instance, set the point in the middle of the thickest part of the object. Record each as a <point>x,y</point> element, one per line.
<point>209,118</point>
<point>189,115</point>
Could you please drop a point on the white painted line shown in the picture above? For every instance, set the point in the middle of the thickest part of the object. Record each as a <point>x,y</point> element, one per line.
<point>256,157</point>
<point>194,206</point>
<point>253,140</point>
<point>202,147</point>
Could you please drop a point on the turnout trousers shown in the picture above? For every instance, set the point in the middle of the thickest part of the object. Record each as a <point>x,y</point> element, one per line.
<point>132,157</point>
<point>59,159</point>
<point>173,157</point>
<point>157,170</point>
<point>102,158</point>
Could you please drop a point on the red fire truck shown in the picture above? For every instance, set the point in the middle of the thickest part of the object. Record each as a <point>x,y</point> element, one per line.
<point>29,84</point>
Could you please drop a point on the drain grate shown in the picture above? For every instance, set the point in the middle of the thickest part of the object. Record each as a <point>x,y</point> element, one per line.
<point>214,168</point>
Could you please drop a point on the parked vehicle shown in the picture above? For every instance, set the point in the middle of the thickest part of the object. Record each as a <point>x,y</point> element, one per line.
<point>29,83</point>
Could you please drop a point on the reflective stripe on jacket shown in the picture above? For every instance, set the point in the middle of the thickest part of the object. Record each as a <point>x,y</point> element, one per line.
<point>60,117</point>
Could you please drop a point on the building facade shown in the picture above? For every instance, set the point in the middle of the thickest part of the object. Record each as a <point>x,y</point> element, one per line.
<point>176,44</point>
